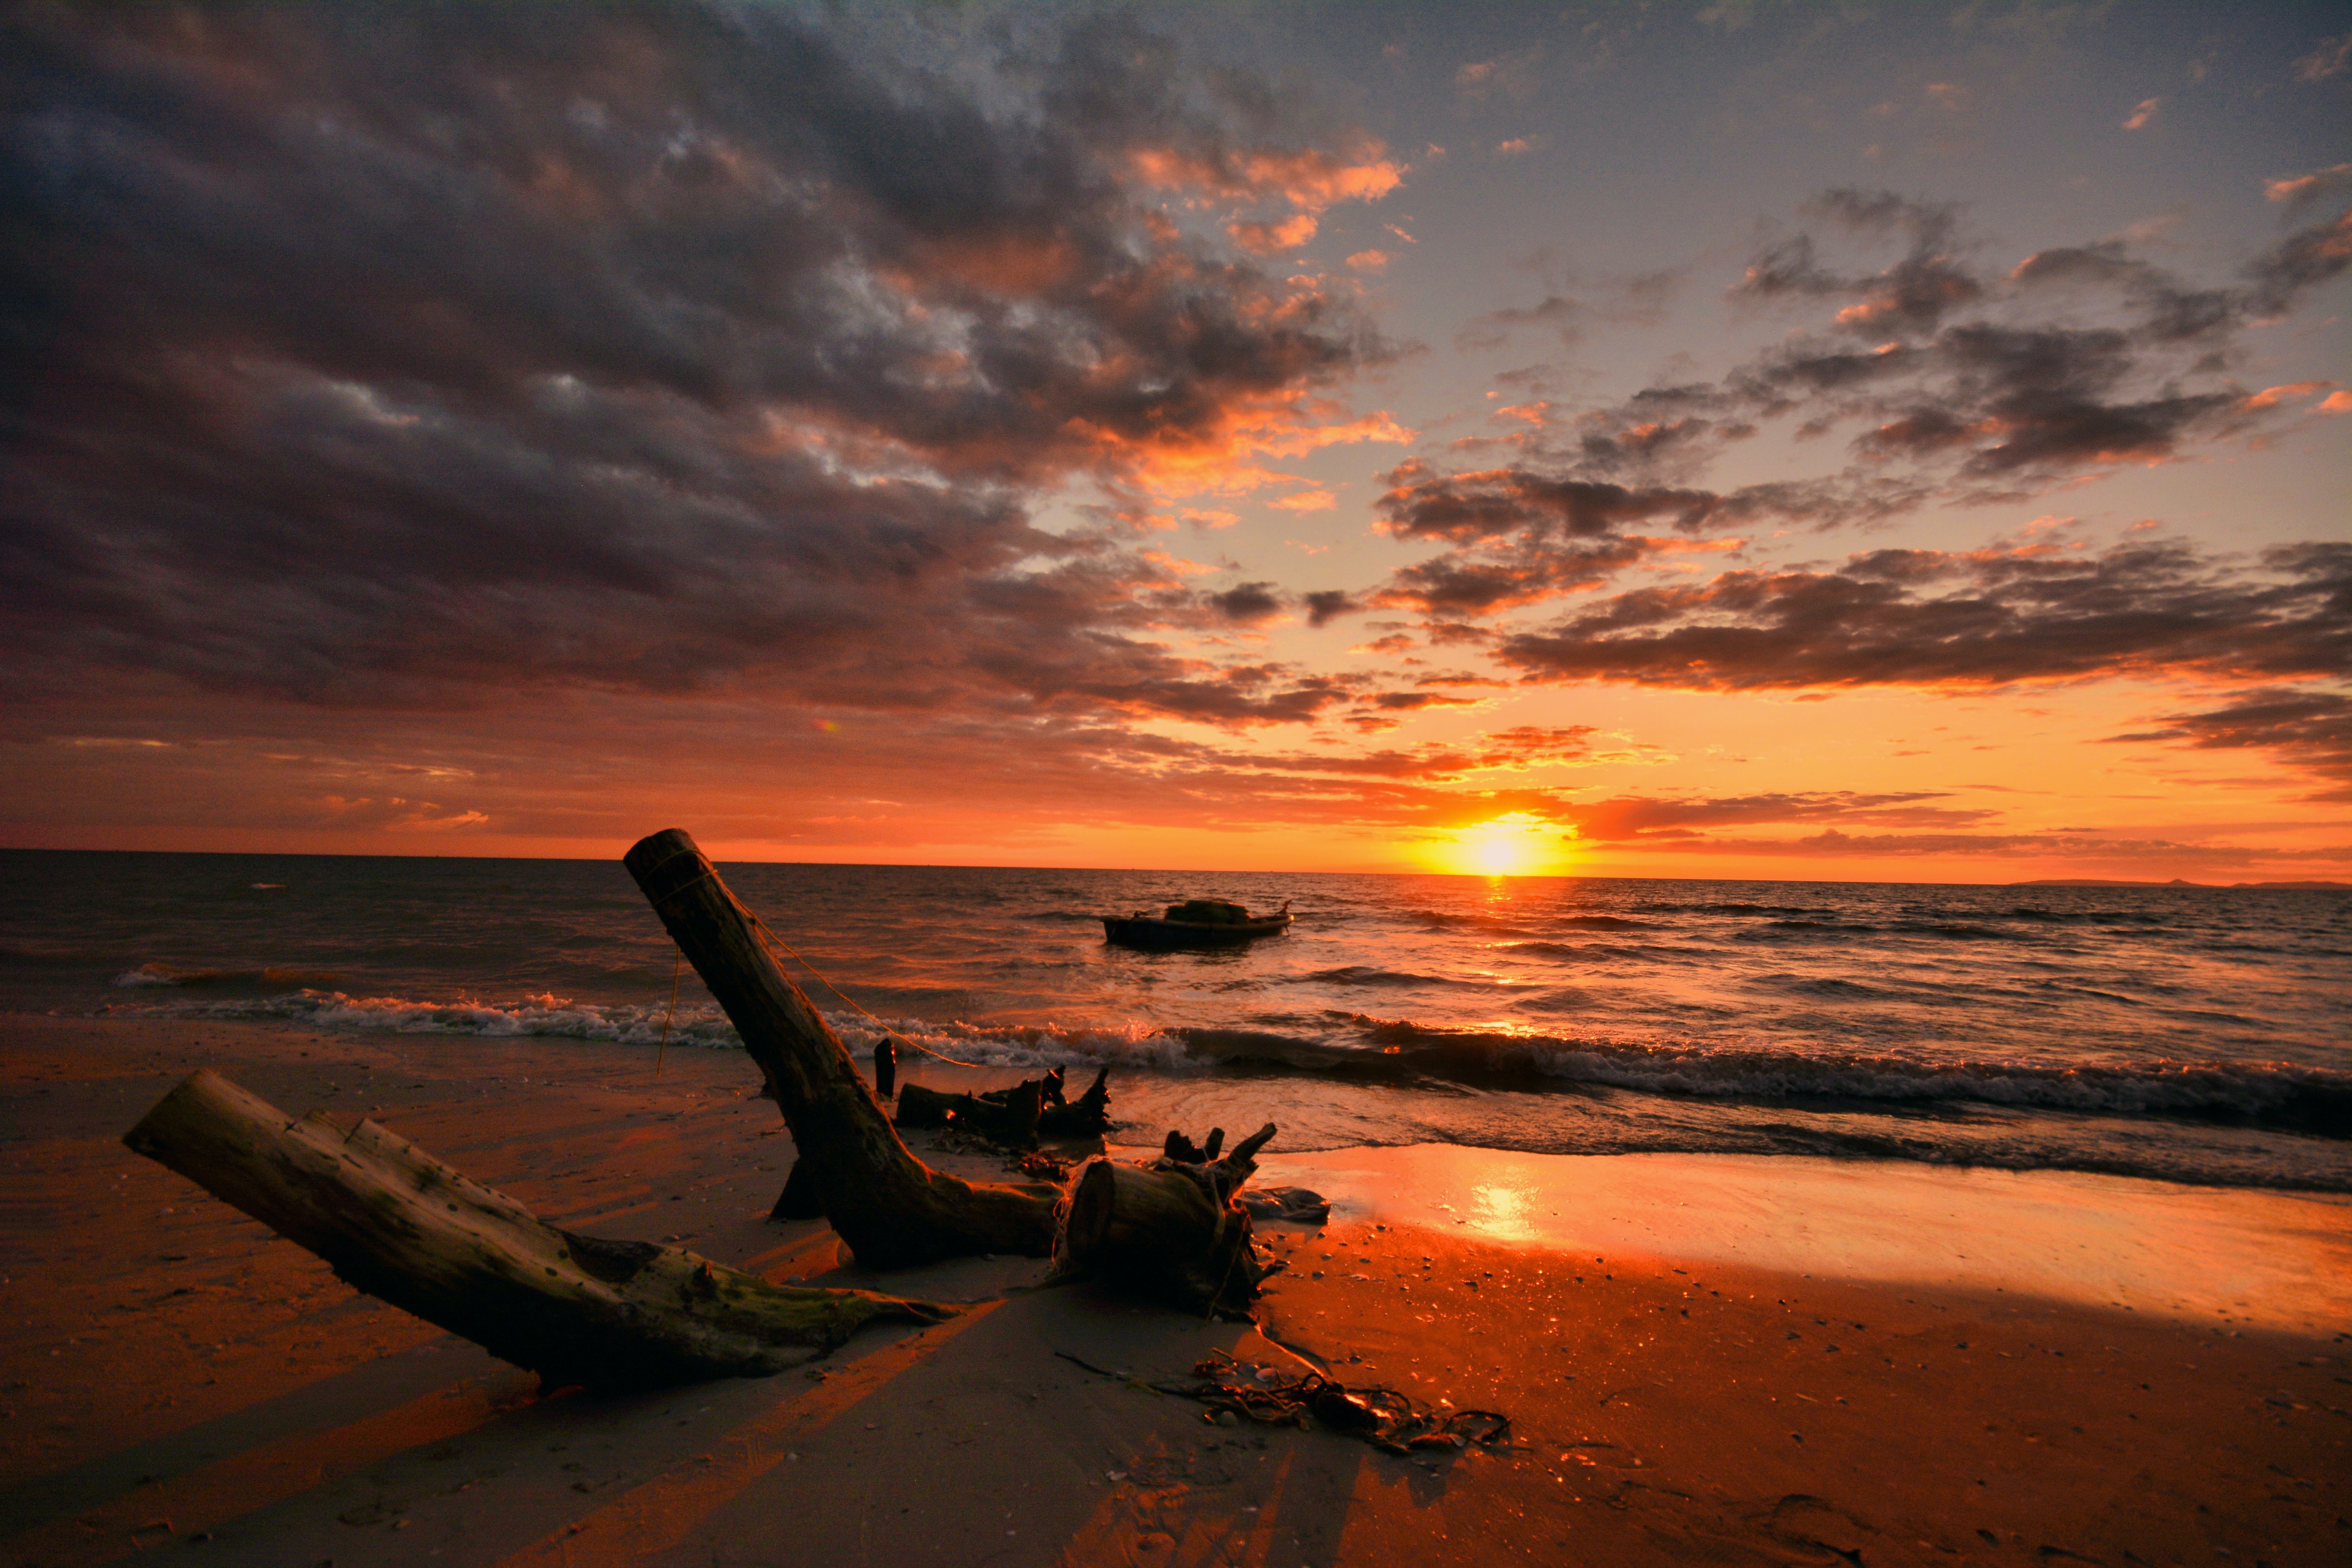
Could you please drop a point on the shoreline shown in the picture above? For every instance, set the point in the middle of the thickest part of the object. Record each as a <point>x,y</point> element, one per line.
<point>2243,1256</point>
<point>1331,1098</point>
<point>1694,1393</point>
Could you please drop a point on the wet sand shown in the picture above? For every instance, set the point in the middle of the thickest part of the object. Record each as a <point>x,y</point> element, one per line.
<point>1705,1359</point>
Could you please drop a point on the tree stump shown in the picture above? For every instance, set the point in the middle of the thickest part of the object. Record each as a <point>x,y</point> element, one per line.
<point>1171,1229</point>
<point>400,1224</point>
<point>891,1208</point>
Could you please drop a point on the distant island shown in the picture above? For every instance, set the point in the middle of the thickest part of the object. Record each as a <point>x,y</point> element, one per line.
<point>2176,882</point>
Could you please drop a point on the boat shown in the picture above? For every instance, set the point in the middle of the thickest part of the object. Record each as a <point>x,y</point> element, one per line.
<point>1196,922</point>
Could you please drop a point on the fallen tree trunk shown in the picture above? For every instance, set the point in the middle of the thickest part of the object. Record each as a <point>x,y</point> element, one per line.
<point>400,1224</point>
<point>891,1208</point>
<point>1171,1228</point>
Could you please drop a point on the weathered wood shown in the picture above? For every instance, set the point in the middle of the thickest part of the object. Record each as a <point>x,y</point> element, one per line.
<point>1010,1121</point>
<point>1087,1116</point>
<point>799,1200</point>
<point>400,1224</point>
<point>922,1106</point>
<point>1184,1151</point>
<point>891,1208</point>
<point>1171,1228</point>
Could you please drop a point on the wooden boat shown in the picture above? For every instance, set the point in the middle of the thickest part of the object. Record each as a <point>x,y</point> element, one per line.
<point>1199,922</point>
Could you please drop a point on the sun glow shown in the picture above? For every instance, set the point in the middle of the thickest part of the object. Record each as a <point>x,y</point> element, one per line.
<point>1516,844</point>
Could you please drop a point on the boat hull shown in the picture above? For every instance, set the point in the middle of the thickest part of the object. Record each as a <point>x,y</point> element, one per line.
<point>1144,931</point>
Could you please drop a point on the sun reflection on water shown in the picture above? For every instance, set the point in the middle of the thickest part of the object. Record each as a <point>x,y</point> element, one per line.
<point>1504,1213</point>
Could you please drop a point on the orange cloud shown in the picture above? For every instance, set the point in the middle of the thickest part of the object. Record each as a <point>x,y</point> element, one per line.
<point>1309,178</point>
<point>2272,396</point>
<point>1369,261</point>
<point>2298,187</point>
<point>1272,238</point>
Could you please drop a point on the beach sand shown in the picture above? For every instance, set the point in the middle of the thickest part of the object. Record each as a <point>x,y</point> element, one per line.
<point>1705,1359</point>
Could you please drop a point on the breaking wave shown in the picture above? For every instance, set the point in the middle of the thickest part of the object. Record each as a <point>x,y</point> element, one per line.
<point>2279,1096</point>
<point>274,979</point>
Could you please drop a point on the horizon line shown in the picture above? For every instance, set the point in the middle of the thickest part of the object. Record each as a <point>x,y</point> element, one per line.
<point>2314,883</point>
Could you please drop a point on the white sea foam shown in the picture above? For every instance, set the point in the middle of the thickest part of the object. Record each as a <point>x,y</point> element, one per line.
<point>2279,1092</point>
<point>1004,1046</point>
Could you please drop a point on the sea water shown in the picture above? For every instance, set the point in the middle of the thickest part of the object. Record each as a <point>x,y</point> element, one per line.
<point>2191,1034</point>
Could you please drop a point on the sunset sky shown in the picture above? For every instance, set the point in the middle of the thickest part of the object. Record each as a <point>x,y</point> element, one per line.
<point>1850,441</point>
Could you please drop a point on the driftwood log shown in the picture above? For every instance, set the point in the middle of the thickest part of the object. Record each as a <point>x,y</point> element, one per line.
<point>1171,1228</point>
<point>400,1224</point>
<point>891,1208</point>
<point>1012,1121</point>
<point>1087,1116</point>
<point>1016,1117</point>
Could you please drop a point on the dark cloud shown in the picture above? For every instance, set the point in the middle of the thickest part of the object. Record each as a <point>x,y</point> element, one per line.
<point>1911,295</point>
<point>2170,312</point>
<point>1554,313</point>
<point>2086,848</point>
<point>1966,388</point>
<point>1458,508</point>
<point>1249,603</point>
<point>369,358</point>
<point>1522,538</point>
<point>2300,262</point>
<point>1966,378</point>
<point>1529,573</point>
<point>1328,605</point>
<point>1929,618</point>
<point>1569,303</point>
<point>2306,729</point>
<point>1633,820</point>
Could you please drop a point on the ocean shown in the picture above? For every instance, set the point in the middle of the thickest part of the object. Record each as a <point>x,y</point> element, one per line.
<point>2193,1035</point>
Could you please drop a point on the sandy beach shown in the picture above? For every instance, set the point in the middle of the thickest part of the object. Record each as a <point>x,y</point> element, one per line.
<point>1704,1358</point>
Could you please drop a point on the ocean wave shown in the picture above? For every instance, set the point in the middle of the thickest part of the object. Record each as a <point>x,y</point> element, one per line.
<point>1826,985</point>
<point>545,1014</point>
<point>1739,908</point>
<point>1372,974</point>
<point>1590,952</point>
<point>703,1025</point>
<point>2280,1096</point>
<point>1954,928</point>
<point>1552,949</point>
<point>1439,919</point>
<point>165,976</point>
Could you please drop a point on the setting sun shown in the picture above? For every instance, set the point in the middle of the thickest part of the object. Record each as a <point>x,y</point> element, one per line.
<point>1516,844</point>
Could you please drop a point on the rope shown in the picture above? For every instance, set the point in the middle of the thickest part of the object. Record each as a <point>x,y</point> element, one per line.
<point>677,970</point>
<point>1384,1418</point>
